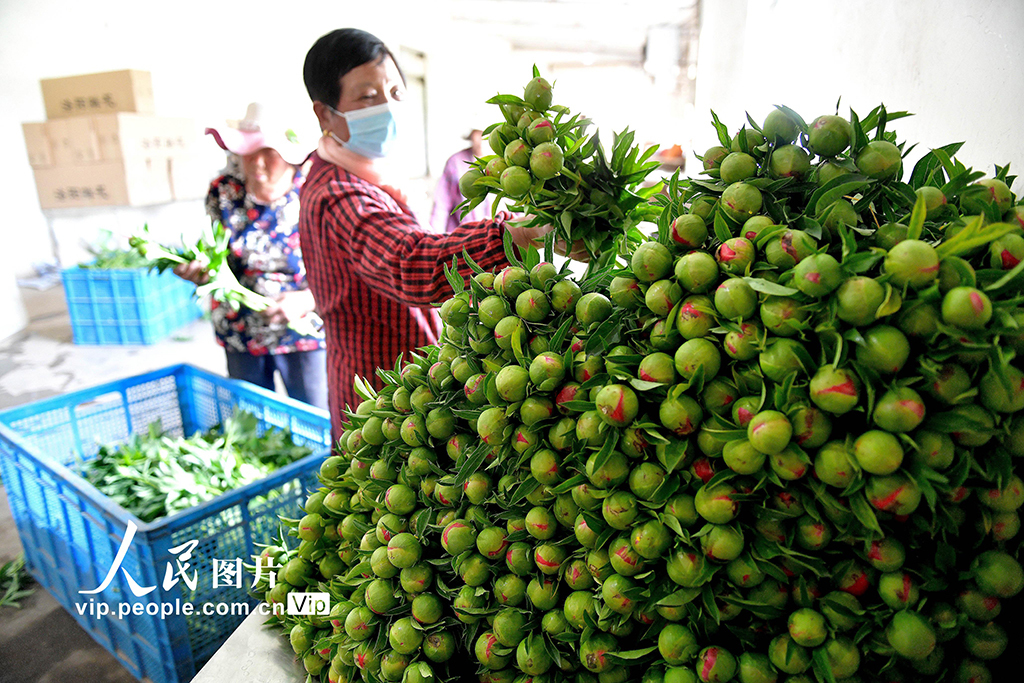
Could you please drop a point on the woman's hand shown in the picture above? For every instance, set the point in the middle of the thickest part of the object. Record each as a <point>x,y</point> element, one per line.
<point>534,237</point>
<point>193,271</point>
<point>290,307</point>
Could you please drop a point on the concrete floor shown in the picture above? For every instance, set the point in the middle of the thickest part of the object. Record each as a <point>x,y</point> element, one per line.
<point>41,642</point>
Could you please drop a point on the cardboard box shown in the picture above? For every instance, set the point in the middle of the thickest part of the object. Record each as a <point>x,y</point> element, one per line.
<point>100,93</point>
<point>129,182</point>
<point>122,136</point>
<point>37,143</point>
<point>110,137</point>
<point>73,141</point>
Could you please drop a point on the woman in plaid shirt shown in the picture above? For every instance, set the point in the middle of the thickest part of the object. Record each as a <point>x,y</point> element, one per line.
<point>372,267</point>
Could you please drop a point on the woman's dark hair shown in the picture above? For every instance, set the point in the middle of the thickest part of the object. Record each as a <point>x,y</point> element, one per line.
<point>335,54</point>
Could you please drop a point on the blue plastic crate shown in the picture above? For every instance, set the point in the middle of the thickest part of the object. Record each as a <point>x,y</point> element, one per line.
<point>129,306</point>
<point>71,532</point>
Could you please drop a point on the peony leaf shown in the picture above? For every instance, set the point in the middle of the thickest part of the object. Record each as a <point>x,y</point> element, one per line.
<point>769,287</point>
<point>628,655</point>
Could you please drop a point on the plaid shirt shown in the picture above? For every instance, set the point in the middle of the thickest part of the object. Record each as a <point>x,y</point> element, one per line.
<point>374,271</point>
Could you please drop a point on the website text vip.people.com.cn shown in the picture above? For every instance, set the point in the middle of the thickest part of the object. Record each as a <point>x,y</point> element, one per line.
<point>296,604</point>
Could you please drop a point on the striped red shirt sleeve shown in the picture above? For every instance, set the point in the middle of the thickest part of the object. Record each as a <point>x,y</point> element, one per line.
<point>395,256</point>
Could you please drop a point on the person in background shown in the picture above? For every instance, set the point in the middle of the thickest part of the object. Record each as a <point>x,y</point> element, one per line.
<point>374,270</point>
<point>447,196</point>
<point>257,201</point>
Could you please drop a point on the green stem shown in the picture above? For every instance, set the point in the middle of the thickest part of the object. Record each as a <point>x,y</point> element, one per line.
<point>570,174</point>
<point>155,252</point>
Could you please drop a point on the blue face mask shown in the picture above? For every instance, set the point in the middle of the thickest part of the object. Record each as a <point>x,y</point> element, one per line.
<point>372,131</point>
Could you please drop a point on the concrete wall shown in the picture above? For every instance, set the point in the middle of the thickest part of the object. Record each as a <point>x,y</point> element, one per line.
<point>957,65</point>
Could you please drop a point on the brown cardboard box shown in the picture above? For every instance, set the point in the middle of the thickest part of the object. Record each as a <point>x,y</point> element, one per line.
<point>108,137</point>
<point>73,141</point>
<point>131,135</point>
<point>37,142</point>
<point>100,93</point>
<point>129,182</point>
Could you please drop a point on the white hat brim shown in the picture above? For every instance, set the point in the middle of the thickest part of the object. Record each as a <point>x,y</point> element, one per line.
<point>243,143</point>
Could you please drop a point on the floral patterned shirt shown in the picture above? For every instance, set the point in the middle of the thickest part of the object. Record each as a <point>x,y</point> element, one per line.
<point>266,258</point>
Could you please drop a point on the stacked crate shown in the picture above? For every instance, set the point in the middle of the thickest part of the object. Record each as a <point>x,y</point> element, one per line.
<point>127,306</point>
<point>103,145</point>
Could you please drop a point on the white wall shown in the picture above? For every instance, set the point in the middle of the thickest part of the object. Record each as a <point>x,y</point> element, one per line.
<point>208,60</point>
<point>958,65</point>
<point>13,316</point>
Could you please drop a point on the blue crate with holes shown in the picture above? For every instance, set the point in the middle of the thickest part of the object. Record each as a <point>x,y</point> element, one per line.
<point>72,534</point>
<point>127,306</point>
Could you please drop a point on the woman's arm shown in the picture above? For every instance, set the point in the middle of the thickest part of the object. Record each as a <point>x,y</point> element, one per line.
<point>290,306</point>
<point>195,271</point>
<point>393,255</point>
